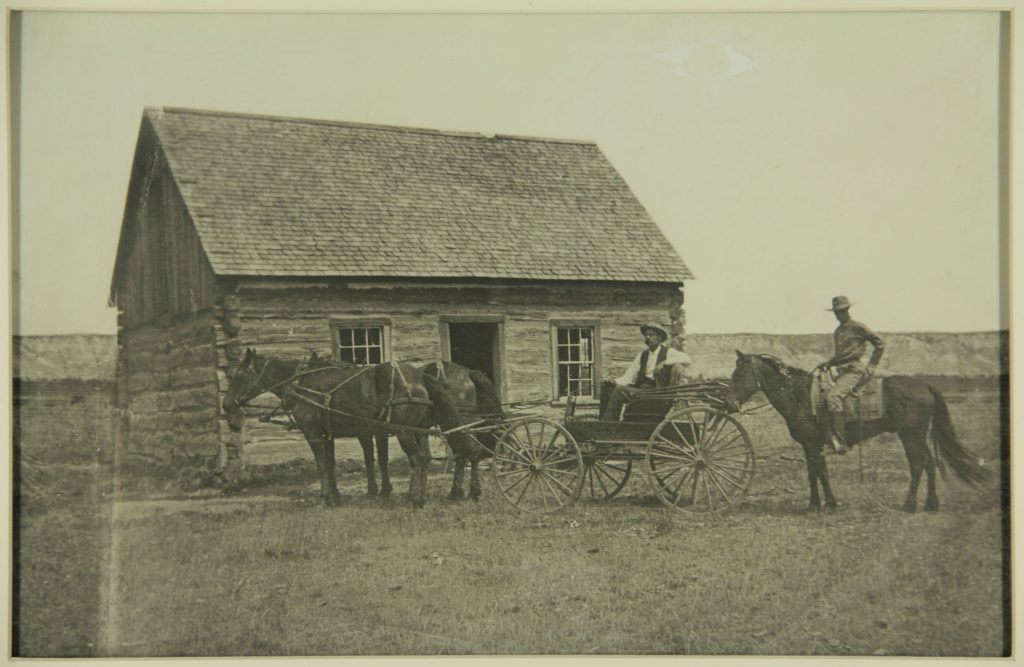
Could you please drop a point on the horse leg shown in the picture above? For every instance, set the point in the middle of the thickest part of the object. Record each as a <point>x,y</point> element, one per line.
<point>826,486</point>
<point>366,442</point>
<point>333,497</point>
<point>325,467</point>
<point>811,459</point>
<point>916,449</point>
<point>459,474</point>
<point>382,463</point>
<point>474,478</point>
<point>417,465</point>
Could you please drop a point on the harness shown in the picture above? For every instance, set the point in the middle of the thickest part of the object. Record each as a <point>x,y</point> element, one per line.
<point>296,392</point>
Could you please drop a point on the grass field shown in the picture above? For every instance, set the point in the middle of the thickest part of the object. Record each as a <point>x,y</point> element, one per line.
<point>267,571</point>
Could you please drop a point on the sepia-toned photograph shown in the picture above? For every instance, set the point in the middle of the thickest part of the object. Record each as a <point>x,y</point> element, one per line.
<point>521,333</point>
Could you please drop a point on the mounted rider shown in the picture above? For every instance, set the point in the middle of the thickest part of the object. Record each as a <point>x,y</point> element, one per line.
<point>646,367</point>
<point>846,366</point>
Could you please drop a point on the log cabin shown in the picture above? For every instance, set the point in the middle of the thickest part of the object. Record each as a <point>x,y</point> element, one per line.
<point>527,258</point>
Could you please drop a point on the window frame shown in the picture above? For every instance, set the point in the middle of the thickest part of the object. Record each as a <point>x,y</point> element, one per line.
<point>338,323</point>
<point>594,325</point>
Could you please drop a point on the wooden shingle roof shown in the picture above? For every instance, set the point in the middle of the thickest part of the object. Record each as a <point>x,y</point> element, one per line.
<point>292,197</point>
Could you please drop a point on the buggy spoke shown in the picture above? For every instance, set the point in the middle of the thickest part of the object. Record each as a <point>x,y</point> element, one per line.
<point>718,485</point>
<point>516,461</point>
<point>707,492</point>
<point>529,480</point>
<point>513,471</point>
<point>735,438</point>
<point>515,484</point>
<point>681,437</point>
<point>523,474</point>
<point>596,475</point>
<point>713,431</point>
<point>698,432</point>
<point>725,464</point>
<point>564,473</point>
<point>676,455</point>
<point>682,480</point>
<point>548,479</point>
<point>727,478</point>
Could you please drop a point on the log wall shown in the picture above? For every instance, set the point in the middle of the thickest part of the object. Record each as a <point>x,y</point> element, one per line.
<point>168,385</point>
<point>292,322</point>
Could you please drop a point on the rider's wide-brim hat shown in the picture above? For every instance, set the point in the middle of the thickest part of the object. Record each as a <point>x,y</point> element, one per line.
<point>651,326</point>
<point>840,303</point>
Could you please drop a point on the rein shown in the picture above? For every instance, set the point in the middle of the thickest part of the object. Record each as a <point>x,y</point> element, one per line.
<point>309,395</point>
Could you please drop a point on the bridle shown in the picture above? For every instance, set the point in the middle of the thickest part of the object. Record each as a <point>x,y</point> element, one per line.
<point>758,385</point>
<point>256,390</point>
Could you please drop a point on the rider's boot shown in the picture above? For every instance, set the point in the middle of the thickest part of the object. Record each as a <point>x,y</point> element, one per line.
<point>837,424</point>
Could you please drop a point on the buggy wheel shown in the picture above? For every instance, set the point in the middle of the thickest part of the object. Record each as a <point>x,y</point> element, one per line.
<point>537,465</point>
<point>700,460</point>
<point>603,475</point>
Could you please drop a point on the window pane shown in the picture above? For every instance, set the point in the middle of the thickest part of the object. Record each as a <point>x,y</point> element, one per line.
<point>563,381</point>
<point>563,354</point>
<point>360,355</point>
<point>563,336</point>
<point>574,336</point>
<point>360,336</point>
<point>346,337</point>
<point>346,355</point>
<point>374,334</point>
<point>375,355</point>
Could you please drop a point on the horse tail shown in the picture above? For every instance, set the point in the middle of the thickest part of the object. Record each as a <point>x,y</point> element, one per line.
<point>443,410</point>
<point>487,401</point>
<point>965,464</point>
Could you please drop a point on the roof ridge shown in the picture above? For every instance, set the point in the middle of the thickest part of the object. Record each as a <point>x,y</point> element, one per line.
<point>369,126</point>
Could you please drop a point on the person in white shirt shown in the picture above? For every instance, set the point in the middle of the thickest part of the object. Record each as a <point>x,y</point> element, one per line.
<point>642,372</point>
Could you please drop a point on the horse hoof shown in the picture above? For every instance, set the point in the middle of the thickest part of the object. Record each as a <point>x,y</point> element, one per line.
<point>932,507</point>
<point>386,491</point>
<point>909,508</point>
<point>332,501</point>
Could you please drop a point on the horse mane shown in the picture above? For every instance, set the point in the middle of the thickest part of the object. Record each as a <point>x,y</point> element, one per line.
<point>781,367</point>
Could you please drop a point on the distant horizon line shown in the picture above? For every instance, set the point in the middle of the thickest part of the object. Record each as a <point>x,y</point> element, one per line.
<point>691,333</point>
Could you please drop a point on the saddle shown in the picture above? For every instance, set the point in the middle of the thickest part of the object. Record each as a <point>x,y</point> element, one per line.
<point>864,403</point>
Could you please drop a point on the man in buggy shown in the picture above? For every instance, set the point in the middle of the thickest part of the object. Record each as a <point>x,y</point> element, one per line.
<point>647,368</point>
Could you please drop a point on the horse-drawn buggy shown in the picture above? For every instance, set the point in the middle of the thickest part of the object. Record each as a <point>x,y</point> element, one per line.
<point>697,457</point>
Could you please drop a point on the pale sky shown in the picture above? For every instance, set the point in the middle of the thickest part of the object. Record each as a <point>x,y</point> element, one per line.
<point>787,157</point>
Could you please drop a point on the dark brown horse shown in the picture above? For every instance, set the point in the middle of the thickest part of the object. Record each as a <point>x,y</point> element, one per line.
<point>475,399</point>
<point>910,406</point>
<point>328,401</point>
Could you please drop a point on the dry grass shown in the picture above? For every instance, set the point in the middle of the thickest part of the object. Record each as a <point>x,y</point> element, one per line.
<point>281,576</point>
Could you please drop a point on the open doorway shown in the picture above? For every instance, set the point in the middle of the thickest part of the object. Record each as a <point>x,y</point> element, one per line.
<point>476,345</point>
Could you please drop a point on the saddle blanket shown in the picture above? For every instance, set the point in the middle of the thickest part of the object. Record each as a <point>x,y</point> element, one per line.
<point>865,403</point>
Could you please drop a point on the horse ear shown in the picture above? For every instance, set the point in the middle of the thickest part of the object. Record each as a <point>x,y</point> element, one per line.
<point>740,356</point>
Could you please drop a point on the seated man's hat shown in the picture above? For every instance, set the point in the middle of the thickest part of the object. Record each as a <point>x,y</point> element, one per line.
<point>655,327</point>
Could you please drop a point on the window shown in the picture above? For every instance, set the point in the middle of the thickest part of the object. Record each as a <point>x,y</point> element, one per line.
<point>363,343</point>
<point>575,357</point>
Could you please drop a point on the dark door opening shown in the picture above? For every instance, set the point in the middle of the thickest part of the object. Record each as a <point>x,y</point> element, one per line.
<point>475,345</point>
